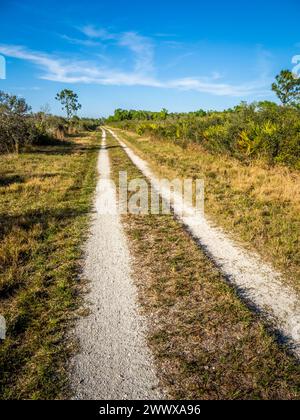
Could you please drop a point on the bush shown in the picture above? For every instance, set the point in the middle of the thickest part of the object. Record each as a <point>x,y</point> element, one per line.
<point>16,127</point>
<point>261,130</point>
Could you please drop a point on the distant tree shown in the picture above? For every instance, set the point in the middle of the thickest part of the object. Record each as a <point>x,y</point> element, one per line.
<point>16,129</point>
<point>163,113</point>
<point>266,106</point>
<point>200,113</point>
<point>287,88</point>
<point>11,104</point>
<point>122,114</point>
<point>69,101</point>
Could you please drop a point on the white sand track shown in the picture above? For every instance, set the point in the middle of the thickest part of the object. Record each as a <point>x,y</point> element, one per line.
<point>255,281</point>
<point>113,361</point>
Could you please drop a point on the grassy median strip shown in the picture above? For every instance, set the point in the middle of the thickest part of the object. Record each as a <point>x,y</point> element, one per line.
<point>45,198</point>
<point>258,205</point>
<point>206,343</point>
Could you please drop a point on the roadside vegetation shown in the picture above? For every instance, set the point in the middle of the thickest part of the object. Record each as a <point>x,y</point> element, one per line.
<point>20,128</point>
<point>258,131</point>
<point>206,343</point>
<point>46,186</point>
<point>45,198</point>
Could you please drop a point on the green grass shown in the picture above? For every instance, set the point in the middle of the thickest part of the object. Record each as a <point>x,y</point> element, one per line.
<point>207,344</point>
<point>45,198</point>
<point>258,205</point>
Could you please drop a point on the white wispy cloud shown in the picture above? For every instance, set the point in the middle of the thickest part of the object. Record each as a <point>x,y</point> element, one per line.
<point>93,32</point>
<point>71,70</point>
<point>142,47</point>
<point>75,71</point>
<point>83,42</point>
<point>44,61</point>
<point>221,89</point>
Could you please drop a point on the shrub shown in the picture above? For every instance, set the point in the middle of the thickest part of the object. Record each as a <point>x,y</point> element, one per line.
<point>261,130</point>
<point>16,127</point>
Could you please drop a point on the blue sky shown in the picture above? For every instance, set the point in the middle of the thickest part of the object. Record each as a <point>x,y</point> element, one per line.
<point>180,55</point>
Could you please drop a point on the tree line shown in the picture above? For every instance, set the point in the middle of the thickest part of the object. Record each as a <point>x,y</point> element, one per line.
<point>260,130</point>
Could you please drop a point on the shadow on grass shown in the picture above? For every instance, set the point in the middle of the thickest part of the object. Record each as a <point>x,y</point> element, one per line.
<point>51,141</point>
<point>111,147</point>
<point>77,135</point>
<point>5,181</point>
<point>69,149</point>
